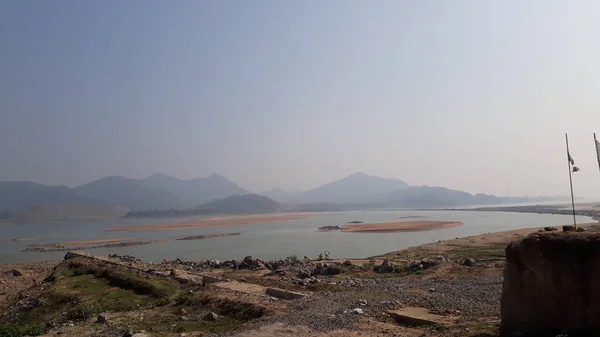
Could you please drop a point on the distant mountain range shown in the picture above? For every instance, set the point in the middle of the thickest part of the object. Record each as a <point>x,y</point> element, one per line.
<point>158,191</point>
<point>280,195</point>
<point>356,188</point>
<point>233,204</point>
<point>195,191</point>
<point>163,192</point>
<point>363,190</point>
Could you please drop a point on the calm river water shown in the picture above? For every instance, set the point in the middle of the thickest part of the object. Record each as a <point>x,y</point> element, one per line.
<point>269,241</point>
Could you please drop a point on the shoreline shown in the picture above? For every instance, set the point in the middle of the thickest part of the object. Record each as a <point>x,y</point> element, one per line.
<point>537,209</point>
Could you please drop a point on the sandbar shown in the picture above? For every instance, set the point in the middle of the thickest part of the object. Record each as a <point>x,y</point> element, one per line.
<point>25,239</point>
<point>91,242</point>
<point>218,221</point>
<point>58,248</point>
<point>390,227</point>
<point>207,236</point>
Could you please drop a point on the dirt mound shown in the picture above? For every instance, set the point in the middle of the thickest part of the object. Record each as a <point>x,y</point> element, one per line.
<point>552,285</point>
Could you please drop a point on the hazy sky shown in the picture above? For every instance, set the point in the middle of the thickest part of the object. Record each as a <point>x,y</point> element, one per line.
<point>473,95</point>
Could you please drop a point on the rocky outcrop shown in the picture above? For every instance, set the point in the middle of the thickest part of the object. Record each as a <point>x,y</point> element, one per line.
<point>552,285</point>
<point>386,267</point>
<point>211,317</point>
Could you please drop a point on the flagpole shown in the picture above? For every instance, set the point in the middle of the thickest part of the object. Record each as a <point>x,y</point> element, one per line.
<point>570,180</point>
<point>596,147</point>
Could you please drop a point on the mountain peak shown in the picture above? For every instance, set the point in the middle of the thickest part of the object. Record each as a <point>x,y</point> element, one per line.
<point>159,175</point>
<point>358,175</point>
<point>358,187</point>
<point>195,191</point>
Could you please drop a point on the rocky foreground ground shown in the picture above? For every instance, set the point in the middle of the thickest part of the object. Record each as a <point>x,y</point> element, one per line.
<point>450,288</point>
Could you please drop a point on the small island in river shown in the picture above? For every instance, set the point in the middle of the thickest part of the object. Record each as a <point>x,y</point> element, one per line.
<point>390,227</point>
<point>207,236</point>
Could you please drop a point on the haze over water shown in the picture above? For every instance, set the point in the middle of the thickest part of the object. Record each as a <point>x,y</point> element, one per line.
<point>470,95</point>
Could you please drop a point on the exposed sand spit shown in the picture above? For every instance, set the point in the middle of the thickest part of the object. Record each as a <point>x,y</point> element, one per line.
<point>389,227</point>
<point>208,236</point>
<point>219,221</point>
<point>91,242</point>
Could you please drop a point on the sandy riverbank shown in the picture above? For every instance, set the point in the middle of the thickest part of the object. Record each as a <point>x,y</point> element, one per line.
<point>467,295</point>
<point>391,227</point>
<point>219,221</point>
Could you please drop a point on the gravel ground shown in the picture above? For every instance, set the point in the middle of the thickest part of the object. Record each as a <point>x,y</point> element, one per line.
<point>470,298</point>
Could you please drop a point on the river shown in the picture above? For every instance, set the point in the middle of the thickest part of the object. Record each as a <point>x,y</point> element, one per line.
<point>268,241</point>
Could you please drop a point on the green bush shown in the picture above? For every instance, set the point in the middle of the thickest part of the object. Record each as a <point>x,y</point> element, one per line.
<point>184,298</point>
<point>163,301</point>
<point>9,330</point>
<point>81,311</point>
<point>376,268</point>
<point>292,258</point>
<point>398,269</point>
<point>367,266</point>
<point>81,271</point>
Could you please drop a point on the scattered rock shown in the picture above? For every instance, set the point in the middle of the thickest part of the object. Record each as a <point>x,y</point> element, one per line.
<point>550,229</point>
<point>184,318</point>
<point>386,267</point>
<point>362,302</point>
<point>469,262</point>
<point>580,229</point>
<point>330,228</point>
<point>128,334</point>
<point>139,334</point>
<point>358,311</point>
<point>249,260</point>
<point>304,274</point>
<point>16,272</point>
<point>211,317</point>
<point>431,290</point>
<point>101,319</point>
<point>568,228</point>
<point>347,263</point>
<point>333,270</point>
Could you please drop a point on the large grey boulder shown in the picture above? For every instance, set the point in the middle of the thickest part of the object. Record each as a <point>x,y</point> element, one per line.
<point>552,285</point>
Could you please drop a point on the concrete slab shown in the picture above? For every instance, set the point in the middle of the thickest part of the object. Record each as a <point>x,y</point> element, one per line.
<point>420,316</point>
<point>284,294</point>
